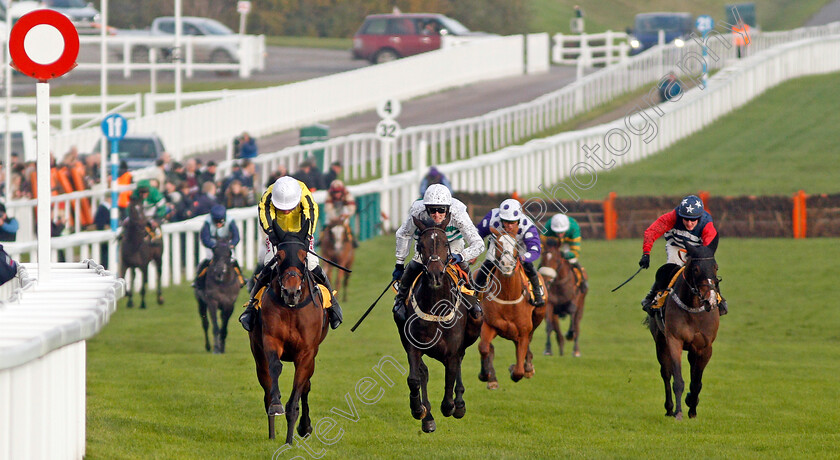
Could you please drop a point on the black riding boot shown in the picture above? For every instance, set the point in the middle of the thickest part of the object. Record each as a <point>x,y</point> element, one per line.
<point>202,274</point>
<point>334,312</point>
<point>722,306</point>
<point>536,287</point>
<point>480,280</point>
<point>472,300</point>
<point>412,270</point>
<point>647,302</point>
<point>249,317</point>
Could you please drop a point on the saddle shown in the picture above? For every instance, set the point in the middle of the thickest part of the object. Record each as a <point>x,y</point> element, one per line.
<point>529,290</point>
<point>662,296</point>
<point>456,273</point>
<point>323,296</point>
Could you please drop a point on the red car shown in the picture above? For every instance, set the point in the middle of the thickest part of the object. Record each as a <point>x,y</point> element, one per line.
<point>385,37</point>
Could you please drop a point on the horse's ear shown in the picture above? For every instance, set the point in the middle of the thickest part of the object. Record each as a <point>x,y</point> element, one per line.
<point>303,233</point>
<point>418,223</point>
<point>279,232</point>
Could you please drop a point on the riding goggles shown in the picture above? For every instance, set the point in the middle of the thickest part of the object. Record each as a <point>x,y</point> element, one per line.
<point>436,209</point>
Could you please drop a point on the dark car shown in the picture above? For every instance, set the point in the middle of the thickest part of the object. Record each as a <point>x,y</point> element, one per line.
<point>385,37</point>
<point>645,33</point>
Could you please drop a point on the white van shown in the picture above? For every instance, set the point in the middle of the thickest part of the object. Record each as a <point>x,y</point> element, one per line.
<point>23,136</point>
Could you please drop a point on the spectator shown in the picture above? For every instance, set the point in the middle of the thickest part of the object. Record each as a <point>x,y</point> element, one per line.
<point>246,146</point>
<point>191,174</point>
<point>205,200</point>
<point>209,173</point>
<point>333,174</point>
<point>278,173</point>
<point>57,227</point>
<point>92,164</point>
<point>124,177</point>
<point>184,206</point>
<point>434,177</point>
<point>308,174</point>
<point>8,267</point>
<point>176,173</point>
<point>249,171</point>
<point>235,173</point>
<point>237,196</point>
<point>8,225</point>
<point>669,88</point>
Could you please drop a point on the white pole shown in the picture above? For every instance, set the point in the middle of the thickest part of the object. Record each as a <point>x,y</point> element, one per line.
<point>242,23</point>
<point>385,203</point>
<point>42,120</point>
<point>104,148</point>
<point>8,81</point>
<point>179,27</point>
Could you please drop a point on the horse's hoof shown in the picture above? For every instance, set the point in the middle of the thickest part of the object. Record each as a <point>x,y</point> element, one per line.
<point>276,409</point>
<point>460,409</point>
<point>692,413</point>
<point>493,385</point>
<point>160,300</point>
<point>529,374</point>
<point>447,409</point>
<point>576,354</point>
<point>514,375</point>
<point>547,353</point>
<point>570,335</point>
<point>420,414</point>
<point>429,426</point>
<point>482,377</point>
<point>678,416</point>
<point>207,347</point>
<point>304,431</point>
<point>142,306</point>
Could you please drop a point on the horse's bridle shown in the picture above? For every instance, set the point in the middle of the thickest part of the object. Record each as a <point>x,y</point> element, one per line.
<point>434,257</point>
<point>695,289</point>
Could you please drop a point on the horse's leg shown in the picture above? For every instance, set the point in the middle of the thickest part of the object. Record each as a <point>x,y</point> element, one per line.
<point>130,287</point>
<point>304,368</point>
<point>159,270</point>
<point>428,421</point>
<point>345,278</point>
<point>305,425</point>
<point>548,329</point>
<point>226,313</point>
<point>576,319</point>
<point>273,349</point>
<point>675,354</point>
<point>486,349</point>
<point>418,410</point>
<point>664,359</point>
<point>698,363</point>
<point>452,365</point>
<point>529,362</point>
<point>144,273</point>
<point>212,312</point>
<point>460,405</point>
<point>202,311</point>
<point>517,370</point>
<point>263,375</point>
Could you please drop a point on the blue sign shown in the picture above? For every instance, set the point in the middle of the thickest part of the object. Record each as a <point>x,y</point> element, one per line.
<point>114,127</point>
<point>705,24</point>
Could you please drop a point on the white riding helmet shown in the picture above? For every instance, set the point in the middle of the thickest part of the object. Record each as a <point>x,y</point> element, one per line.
<point>286,193</point>
<point>437,194</point>
<point>559,223</point>
<point>510,210</point>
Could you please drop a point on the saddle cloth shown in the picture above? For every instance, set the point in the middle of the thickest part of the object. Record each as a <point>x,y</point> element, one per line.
<point>456,273</point>
<point>326,298</point>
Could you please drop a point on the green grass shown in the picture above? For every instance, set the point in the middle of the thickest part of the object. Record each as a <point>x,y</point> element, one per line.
<point>310,42</point>
<point>553,15</point>
<point>781,142</point>
<point>769,390</point>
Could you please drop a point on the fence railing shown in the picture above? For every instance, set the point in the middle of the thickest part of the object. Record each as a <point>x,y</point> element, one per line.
<point>593,49</point>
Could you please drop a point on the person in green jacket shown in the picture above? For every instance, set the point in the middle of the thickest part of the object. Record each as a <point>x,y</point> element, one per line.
<point>154,206</point>
<point>567,231</point>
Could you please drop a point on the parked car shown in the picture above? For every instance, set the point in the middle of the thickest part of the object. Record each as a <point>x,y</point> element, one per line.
<point>139,150</point>
<point>385,37</point>
<point>218,52</point>
<point>23,135</point>
<point>645,33</point>
<point>83,15</point>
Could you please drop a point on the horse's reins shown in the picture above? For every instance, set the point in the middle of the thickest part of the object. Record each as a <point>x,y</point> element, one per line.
<point>524,287</point>
<point>281,268</point>
<point>435,258</point>
<point>694,291</point>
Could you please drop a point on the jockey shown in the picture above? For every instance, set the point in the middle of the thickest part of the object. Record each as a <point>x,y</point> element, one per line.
<point>567,232</point>
<point>510,218</point>
<point>217,226</point>
<point>340,205</point>
<point>687,225</point>
<point>286,203</point>
<point>436,204</point>
<point>154,206</point>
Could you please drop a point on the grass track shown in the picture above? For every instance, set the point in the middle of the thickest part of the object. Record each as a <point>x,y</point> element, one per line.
<point>154,393</point>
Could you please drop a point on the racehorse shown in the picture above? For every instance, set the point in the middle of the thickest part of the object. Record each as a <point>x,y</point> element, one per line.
<point>690,323</point>
<point>507,312</point>
<point>292,326</point>
<point>337,247</point>
<point>221,287</point>
<point>566,296</point>
<point>136,251</point>
<point>439,326</point>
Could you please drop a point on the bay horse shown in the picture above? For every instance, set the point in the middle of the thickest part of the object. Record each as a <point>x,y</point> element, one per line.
<point>439,327</point>
<point>690,322</point>
<point>137,250</point>
<point>292,324</point>
<point>507,312</point>
<point>566,296</point>
<point>337,246</point>
<point>221,288</point>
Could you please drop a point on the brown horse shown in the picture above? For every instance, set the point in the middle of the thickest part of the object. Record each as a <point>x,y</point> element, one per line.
<point>566,296</point>
<point>507,312</point>
<point>291,328</point>
<point>337,246</point>
<point>439,327</point>
<point>689,322</point>
<point>221,287</point>
<point>136,251</point>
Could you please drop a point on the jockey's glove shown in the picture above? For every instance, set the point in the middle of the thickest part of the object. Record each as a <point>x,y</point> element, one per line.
<point>645,261</point>
<point>398,272</point>
<point>456,258</point>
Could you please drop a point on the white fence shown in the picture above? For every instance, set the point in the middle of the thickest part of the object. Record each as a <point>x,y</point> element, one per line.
<point>605,48</point>
<point>43,330</point>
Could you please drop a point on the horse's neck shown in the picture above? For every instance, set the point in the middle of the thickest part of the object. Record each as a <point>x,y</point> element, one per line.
<point>510,286</point>
<point>432,297</point>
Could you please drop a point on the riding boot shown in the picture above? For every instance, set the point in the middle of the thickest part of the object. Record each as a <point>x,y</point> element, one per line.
<point>480,280</point>
<point>248,318</point>
<point>334,312</point>
<point>536,287</point>
<point>583,284</point>
<point>202,274</point>
<point>411,271</point>
<point>722,305</point>
<point>472,300</point>
<point>647,302</point>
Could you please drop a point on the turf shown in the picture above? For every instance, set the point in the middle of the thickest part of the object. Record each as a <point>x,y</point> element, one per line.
<point>153,392</point>
<point>773,145</point>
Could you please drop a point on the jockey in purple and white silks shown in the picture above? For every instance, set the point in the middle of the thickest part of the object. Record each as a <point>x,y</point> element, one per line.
<point>510,218</point>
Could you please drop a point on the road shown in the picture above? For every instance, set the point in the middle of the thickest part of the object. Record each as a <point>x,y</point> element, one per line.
<point>828,14</point>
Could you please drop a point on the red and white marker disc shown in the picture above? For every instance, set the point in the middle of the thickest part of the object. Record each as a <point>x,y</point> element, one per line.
<point>44,44</point>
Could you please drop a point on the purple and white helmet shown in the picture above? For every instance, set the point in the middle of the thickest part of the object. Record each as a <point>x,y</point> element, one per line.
<point>510,210</point>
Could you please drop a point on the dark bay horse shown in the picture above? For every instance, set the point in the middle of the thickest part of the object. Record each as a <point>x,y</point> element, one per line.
<point>136,251</point>
<point>438,326</point>
<point>566,296</point>
<point>691,321</point>
<point>337,246</point>
<point>221,287</point>
<point>507,312</point>
<point>291,328</point>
